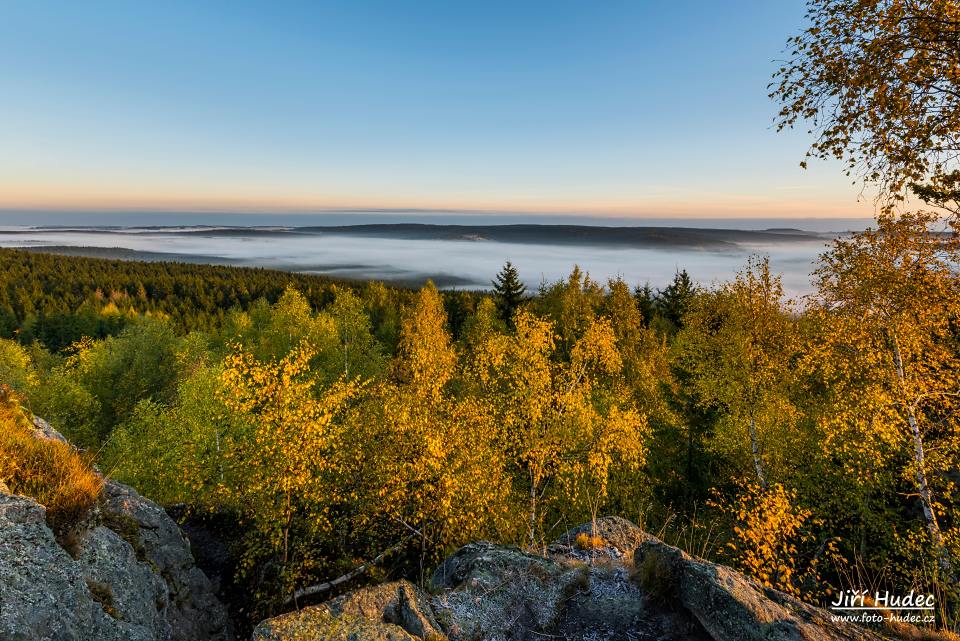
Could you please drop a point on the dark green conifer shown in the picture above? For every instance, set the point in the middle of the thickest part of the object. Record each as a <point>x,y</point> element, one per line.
<point>508,291</point>
<point>673,301</point>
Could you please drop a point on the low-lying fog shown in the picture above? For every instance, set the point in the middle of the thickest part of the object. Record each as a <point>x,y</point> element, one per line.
<point>467,263</point>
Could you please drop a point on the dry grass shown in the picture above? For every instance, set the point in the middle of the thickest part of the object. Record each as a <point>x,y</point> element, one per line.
<point>908,632</point>
<point>50,472</point>
<point>103,594</point>
<point>856,575</point>
<point>586,541</point>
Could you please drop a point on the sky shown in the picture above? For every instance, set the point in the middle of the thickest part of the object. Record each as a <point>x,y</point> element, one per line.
<point>613,108</point>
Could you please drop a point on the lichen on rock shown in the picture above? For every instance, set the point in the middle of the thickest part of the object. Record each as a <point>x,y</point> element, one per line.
<point>126,573</point>
<point>397,611</point>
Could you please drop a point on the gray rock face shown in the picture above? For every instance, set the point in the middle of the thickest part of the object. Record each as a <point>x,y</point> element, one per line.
<point>493,592</point>
<point>131,577</point>
<point>43,591</point>
<point>390,612</point>
<point>732,607</point>
<point>42,429</point>
<point>194,612</point>
<point>488,592</point>
<point>127,589</point>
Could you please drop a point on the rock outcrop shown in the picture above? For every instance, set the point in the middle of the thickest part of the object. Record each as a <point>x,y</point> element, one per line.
<point>626,585</point>
<point>43,591</point>
<point>619,537</point>
<point>129,575</point>
<point>397,611</point>
<point>732,607</point>
<point>488,591</point>
<point>194,612</point>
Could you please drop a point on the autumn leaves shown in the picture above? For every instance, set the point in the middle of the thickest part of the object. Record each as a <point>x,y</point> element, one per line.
<point>451,443</point>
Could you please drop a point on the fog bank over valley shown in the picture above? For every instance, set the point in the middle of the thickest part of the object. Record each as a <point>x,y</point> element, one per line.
<point>458,255</point>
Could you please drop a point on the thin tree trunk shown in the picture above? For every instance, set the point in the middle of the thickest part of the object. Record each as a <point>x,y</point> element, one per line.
<point>923,488</point>
<point>755,448</point>
<point>219,458</point>
<point>355,572</point>
<point>533,510</point>
<point>689,485</point>
<point>286,532</point>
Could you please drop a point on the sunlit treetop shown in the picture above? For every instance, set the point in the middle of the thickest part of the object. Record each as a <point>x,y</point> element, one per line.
<point>879,83</point>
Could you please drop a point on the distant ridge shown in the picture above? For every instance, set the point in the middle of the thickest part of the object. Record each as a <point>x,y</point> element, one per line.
<point>452,255</point>
<point>530,234</point>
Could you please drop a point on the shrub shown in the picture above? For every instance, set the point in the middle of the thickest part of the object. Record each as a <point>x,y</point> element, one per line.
<point>654,574</point>
<point>16,369</point>
<point>768,525</point>
<point>50,472</point>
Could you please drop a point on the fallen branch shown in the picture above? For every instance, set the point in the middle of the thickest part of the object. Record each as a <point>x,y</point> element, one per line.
<point>352,574</point>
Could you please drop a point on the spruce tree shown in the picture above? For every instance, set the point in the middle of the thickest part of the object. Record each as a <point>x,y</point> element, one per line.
<point>673,301</point>
<point>646,302</point>
<point>508,291</point>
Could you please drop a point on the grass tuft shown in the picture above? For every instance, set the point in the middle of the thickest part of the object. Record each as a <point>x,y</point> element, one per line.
<point>52,473</point>
<point>103,594</point>
<point>586,541</point>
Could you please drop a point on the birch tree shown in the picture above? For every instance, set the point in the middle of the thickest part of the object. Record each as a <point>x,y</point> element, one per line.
<point>890,297</point>
<point>738,342</point>
<point>562,421</point>
<point>877,83</point>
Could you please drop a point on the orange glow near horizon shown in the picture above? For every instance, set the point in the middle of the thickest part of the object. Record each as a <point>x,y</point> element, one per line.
<point>244,200</point>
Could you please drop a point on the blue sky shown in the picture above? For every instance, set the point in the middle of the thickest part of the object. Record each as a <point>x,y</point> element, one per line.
<point>613,108</point>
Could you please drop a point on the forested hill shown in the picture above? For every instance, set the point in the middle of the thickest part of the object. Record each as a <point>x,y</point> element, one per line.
<point>57,299</point>
<point>648,237</point>
<point>582,235</point>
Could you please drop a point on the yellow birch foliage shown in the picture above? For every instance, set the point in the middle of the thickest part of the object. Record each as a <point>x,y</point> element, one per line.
<point>426,359</point>
<point>561,421</point>
<point>426,461</point>
<point>887,305</point>
<point>429,465</point>
<point>768,525</point>
<point>285,469</point>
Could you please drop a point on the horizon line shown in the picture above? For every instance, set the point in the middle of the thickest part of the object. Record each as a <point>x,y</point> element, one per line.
<point>421,211</point>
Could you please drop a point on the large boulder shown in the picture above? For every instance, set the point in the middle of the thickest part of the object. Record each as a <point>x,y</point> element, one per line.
<point>488,591</point>
<point>606,592</point>
<point>45,594</point>
<point>129,573</point>
<point>397,611</point>
<point>126,588</point>
<point>194,612</point>
<point>732,607</point>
